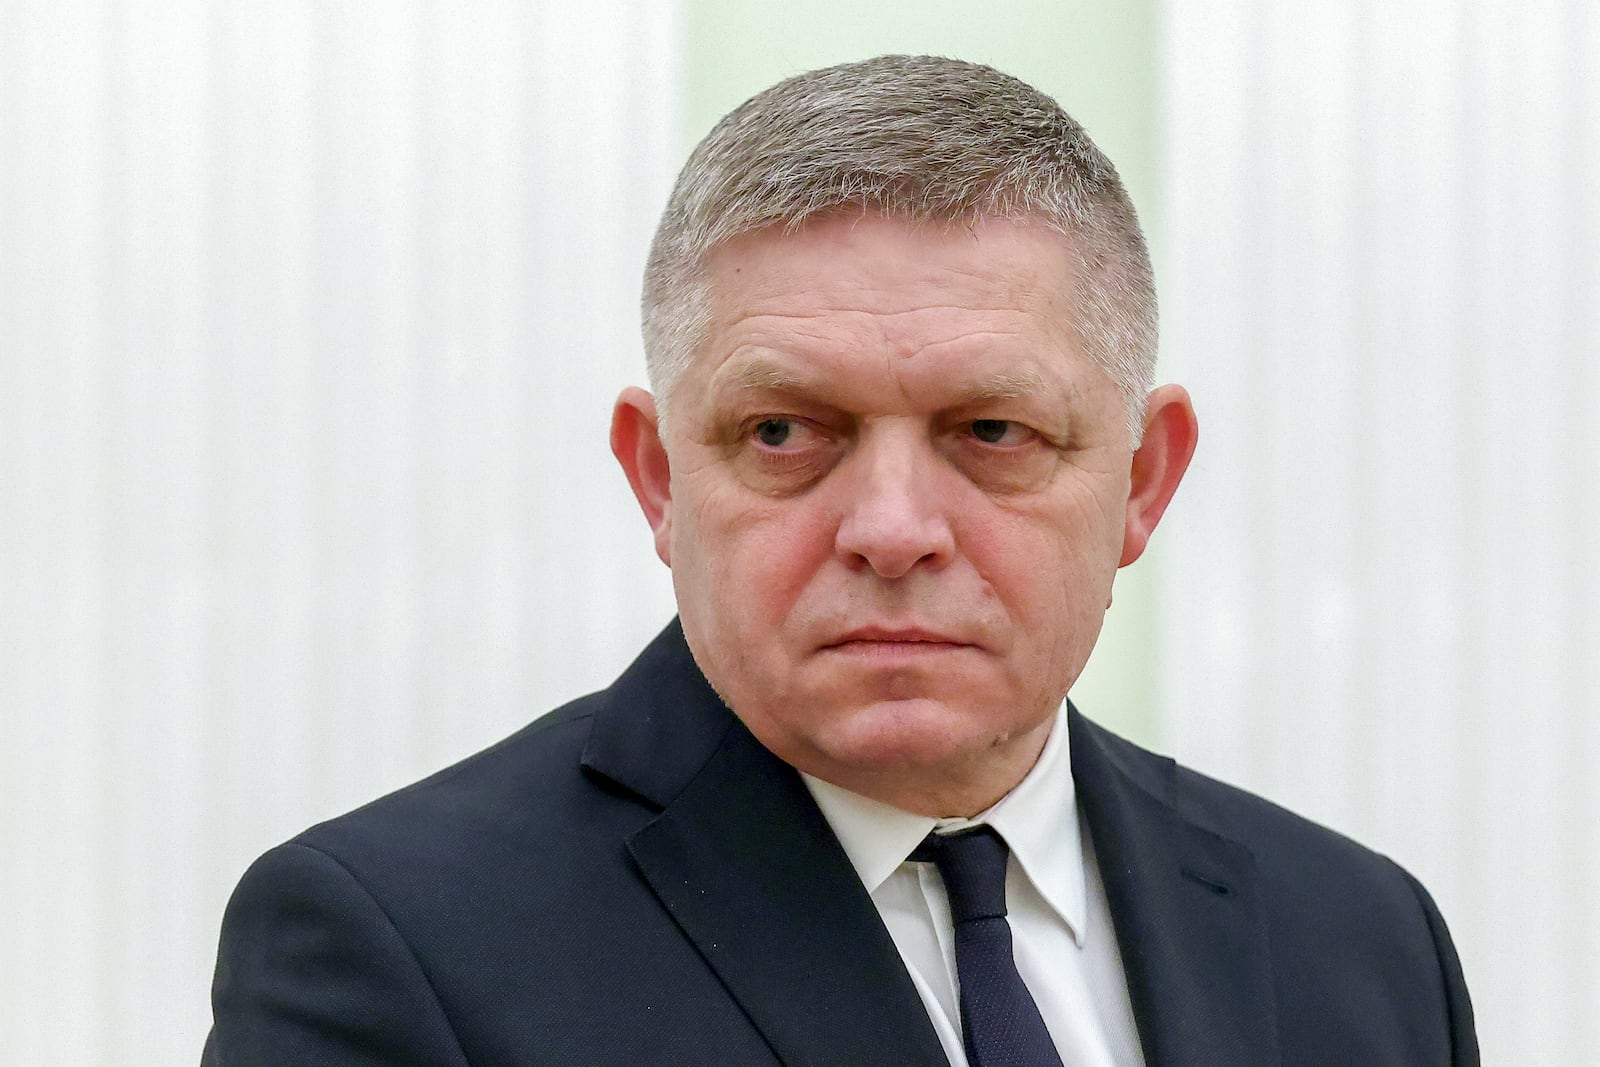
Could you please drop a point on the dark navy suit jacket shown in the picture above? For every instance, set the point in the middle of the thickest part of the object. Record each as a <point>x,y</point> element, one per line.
<point>633,880</point>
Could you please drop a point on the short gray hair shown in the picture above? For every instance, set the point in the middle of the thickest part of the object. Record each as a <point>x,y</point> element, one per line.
<point>922,138</point>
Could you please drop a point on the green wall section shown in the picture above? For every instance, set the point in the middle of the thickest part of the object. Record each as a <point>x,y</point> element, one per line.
<point>1099,59</point>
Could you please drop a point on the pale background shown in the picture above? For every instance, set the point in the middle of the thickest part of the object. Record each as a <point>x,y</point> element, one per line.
<point>311,314</point>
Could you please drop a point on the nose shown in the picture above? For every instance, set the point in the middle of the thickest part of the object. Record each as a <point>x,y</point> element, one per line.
<point>896,515</point>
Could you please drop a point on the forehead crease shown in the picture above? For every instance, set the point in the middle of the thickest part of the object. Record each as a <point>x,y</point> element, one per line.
<point>784,304</point>
<point>764,374</point>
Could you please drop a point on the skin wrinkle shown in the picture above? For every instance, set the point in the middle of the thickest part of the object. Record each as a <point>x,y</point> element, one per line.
<point>758,377</point>
<point>782,392</point>
<point>725,431</point>
<point>764,323</point>
<point>758,320</point>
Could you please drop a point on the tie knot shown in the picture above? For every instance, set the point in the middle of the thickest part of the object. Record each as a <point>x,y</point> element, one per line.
<point>973,866</point>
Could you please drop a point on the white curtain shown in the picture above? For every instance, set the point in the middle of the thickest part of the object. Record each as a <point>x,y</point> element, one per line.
<point>1381,595</point>
<point>311,316</point>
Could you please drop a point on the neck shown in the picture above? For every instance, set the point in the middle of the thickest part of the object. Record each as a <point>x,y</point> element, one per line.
<point>946,792</point>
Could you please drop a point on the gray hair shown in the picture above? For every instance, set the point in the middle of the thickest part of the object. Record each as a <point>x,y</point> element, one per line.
<point>922,138</point>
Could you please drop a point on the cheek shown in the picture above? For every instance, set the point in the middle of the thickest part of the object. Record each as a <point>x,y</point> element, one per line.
<point>754,558</point>
<point>1050,569</point>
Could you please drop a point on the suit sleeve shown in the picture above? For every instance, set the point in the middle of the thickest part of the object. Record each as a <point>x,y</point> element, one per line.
<point>311,971</point>
<point>1463,1032</point>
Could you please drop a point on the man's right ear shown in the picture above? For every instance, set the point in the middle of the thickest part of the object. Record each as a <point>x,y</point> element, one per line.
<point>636,442</point>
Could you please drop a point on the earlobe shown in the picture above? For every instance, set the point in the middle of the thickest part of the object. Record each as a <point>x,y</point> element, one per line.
<point>636,442</point>
<point>1170,434</point>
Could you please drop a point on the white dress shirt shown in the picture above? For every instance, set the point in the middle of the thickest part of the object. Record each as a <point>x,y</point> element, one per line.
<point>1065,948</point>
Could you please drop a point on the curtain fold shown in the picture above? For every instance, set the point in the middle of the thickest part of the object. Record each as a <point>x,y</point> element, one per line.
<point>1381,601</point>
<point>311,318</point>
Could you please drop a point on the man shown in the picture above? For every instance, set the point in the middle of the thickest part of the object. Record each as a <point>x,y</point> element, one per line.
<point>901,331</point>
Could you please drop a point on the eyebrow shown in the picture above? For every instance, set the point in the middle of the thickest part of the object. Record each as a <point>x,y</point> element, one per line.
<point>1008,386</point>
<point>763,375</point>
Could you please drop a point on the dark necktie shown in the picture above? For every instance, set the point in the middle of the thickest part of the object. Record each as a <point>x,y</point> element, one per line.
<point>1000,1024</point>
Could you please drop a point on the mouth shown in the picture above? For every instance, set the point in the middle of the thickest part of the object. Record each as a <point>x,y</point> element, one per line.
<point>895,640</point>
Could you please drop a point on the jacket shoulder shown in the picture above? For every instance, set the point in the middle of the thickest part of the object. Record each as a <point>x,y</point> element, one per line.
<point>517,789</point>
<point>1351,931</point>
<point>1270,831</point>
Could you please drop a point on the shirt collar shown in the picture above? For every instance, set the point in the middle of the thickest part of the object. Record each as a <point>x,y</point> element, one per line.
<point>1038,819</point>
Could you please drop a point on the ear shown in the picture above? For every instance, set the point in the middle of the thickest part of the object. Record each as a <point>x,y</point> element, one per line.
<point>636,442</point>
<point>1170,433</point>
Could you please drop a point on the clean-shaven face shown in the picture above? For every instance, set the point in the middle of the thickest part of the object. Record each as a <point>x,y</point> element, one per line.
<point>899,491</point>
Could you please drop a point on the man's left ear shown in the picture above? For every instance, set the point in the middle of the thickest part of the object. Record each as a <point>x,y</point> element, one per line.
<point>1170,433</point>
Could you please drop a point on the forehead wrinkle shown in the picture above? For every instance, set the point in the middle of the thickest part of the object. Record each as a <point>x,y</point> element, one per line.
<point>801,306</point>
<point>797,330</point>
<point>761,374</point>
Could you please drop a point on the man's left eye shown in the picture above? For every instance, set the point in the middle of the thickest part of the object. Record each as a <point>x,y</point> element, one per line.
<point>773,432</point>
<point>999,431</point>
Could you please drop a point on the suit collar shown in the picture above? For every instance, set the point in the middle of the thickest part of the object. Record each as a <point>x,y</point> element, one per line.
<point>1184,901</point>
<point>658,723</point>
<point>743,861</point>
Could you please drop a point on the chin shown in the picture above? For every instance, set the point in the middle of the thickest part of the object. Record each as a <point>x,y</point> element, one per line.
<point>902,735</point>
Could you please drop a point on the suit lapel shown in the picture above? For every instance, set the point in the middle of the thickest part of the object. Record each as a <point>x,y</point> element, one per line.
<point>1184,902</point>
<point>748,868</point>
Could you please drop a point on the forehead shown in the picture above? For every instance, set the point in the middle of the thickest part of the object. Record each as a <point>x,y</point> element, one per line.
<point>986,305</point>
<point>884,264</point>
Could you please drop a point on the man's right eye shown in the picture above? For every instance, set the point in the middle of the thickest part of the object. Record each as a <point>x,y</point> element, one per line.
<point>774,433</point>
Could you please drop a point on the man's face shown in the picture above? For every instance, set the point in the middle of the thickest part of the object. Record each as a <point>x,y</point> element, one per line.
<point>896,492</point>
